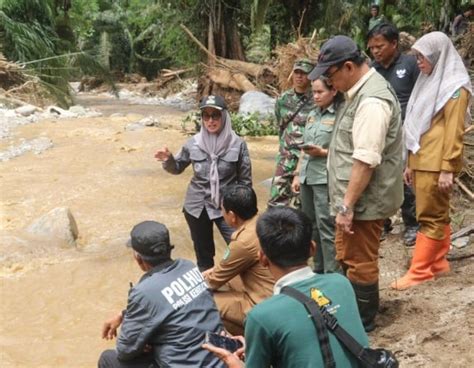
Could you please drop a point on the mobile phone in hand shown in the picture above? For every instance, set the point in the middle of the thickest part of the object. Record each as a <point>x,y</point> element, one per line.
<point>306,146</point>
<point>223,342</point>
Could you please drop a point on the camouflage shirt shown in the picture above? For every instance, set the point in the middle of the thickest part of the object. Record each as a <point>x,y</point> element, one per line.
<point>292,134</point>
<point>290,137</point>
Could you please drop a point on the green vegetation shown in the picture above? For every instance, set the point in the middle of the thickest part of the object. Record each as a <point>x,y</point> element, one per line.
<point>244,125</point>
<point>57,40</point>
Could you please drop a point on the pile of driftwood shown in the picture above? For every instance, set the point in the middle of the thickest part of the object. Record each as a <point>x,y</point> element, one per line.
<point>231,78</point>
<point>17,88</point>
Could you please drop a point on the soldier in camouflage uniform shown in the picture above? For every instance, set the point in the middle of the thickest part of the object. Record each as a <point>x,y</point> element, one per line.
<point>291,111</point>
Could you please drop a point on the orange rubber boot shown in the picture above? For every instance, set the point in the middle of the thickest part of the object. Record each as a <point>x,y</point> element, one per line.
<point>441,264</point>
<point>421,263</point>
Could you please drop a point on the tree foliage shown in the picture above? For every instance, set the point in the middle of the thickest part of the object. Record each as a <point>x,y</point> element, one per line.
<point>144,36</point>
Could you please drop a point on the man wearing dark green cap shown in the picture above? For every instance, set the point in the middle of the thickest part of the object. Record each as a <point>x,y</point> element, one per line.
<point>291,111</point>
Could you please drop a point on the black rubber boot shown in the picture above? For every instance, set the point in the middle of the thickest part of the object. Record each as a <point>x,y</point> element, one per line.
<point>367,297</point>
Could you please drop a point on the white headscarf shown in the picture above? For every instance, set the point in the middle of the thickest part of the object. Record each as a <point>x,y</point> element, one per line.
<point>216,145</point>
<point>432,92</point>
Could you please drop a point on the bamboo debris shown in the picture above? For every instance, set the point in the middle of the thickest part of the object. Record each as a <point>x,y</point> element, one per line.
<point>18,88</point>
<point>465,189</point>
<point>245,76</point>
<point>463,232</point>
<point>173,73</point>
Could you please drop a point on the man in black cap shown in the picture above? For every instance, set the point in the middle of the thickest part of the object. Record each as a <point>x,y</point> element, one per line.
<point>168,311</point>
<point>364,166</point>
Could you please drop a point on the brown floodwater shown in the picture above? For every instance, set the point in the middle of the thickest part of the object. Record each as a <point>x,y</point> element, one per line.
<point>54,298</point>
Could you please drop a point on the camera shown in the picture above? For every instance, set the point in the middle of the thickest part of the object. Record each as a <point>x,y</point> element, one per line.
<point>379,358</point>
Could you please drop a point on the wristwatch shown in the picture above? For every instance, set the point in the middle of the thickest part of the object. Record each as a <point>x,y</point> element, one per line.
<point>342,209</point>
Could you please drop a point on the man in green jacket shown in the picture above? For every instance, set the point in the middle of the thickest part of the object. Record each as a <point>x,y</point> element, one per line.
<point>277,331</point>
<point>364,166</point>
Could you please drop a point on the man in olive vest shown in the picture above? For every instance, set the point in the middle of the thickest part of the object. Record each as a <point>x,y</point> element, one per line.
<point>364,165</point>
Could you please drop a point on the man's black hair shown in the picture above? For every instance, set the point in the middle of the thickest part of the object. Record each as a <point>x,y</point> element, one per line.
<point>375,6</point>
<point>156,261</point>
<point>285,236</point>
<point>240,199</point>
<point>387,30</point>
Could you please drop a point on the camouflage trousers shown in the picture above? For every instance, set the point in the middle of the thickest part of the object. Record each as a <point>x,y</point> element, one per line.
<point>280,191</point>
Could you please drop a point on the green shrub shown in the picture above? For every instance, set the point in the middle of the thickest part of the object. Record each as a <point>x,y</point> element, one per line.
<point>244,125</point>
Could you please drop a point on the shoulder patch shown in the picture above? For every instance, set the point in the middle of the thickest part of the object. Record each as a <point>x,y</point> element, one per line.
<point>327,122</point>
<point>456,94</point>
<point>319,298</point>
<point>226,254</point>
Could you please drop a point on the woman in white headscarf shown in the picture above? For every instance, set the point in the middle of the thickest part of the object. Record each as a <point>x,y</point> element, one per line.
<point>437,112</point>
<point>220,158</point>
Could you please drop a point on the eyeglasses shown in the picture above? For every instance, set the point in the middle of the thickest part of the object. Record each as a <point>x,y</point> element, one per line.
<point>213,116</point>
<point>329,76</point>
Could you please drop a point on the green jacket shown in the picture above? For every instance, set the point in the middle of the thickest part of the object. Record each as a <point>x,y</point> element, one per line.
<point>286,337</point>
<point>318,131</point>
<point>383,195</point>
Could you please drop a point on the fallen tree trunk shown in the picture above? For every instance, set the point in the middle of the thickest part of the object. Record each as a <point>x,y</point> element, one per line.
<point>227,79</point>
<point>248,68</point>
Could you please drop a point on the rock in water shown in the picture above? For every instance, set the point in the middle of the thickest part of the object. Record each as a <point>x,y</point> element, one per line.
<point>26,110</point>
<point>58,223</point>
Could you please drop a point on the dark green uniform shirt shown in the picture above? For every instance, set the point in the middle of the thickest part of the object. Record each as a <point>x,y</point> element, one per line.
<point>318,131</point>
<point>281,335</point>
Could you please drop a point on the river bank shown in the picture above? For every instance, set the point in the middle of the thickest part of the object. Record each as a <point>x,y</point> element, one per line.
<point>55,298</point>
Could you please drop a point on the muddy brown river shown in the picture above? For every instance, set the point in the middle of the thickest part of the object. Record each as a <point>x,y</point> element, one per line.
<point>54,298</point>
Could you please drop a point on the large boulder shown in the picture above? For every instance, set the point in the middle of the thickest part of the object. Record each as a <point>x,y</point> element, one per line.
<point>58,224</point>
<point>257,102</point>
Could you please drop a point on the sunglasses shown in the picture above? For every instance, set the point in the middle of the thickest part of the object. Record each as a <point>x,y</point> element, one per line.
<point>213,116</point>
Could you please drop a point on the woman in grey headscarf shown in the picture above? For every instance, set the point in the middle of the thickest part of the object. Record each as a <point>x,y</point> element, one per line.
<point>219,158</point>
<point>437,112</point>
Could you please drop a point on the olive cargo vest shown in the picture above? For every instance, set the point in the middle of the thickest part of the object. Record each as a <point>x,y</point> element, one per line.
<point>383,195</point>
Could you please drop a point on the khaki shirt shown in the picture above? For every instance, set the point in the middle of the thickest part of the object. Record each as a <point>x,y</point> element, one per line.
<point>241,259</point>
<point>370,127</point>
<point>442,145</point>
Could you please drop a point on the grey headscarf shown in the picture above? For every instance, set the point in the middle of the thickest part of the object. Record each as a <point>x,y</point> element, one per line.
<point>216,146</point>
<point>432,92</point>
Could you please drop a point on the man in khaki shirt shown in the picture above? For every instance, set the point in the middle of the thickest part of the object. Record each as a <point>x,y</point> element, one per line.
<point>364,166</point>
<point>239,280</point>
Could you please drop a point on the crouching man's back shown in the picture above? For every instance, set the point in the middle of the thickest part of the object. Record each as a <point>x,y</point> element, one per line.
<point>168,311</point>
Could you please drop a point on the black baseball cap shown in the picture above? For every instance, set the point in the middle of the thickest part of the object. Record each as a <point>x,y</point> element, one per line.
<point>216,102</point>
<point>334,51</point>
<point>151,240</point>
